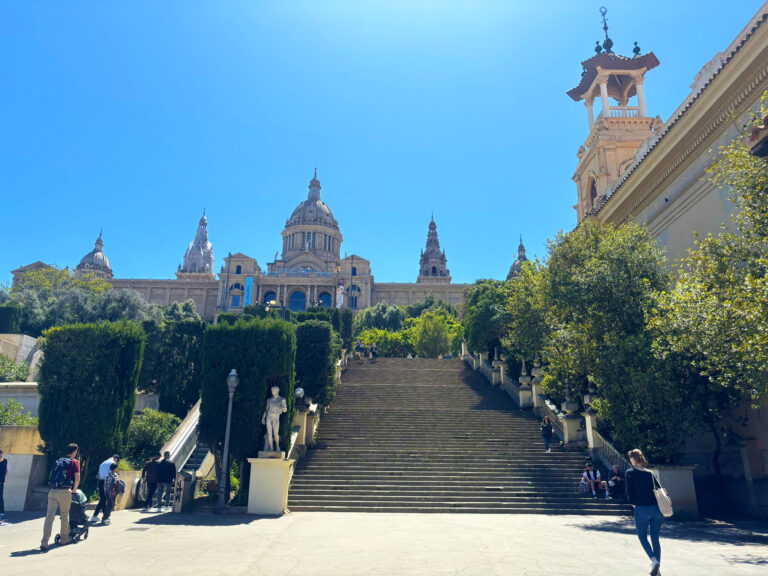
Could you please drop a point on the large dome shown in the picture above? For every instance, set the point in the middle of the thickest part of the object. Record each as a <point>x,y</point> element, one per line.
<point>96,258</point>
<point>313,211</point>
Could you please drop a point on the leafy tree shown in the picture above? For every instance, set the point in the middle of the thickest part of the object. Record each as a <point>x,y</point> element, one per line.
<point>380,316</point>
<point>10,318</point>
<point>435,332</point>
<point>12,413</point>
<point>388,343</point>
<point>429,303</point>
<point>87,387</point>
<point>486,316</point>
<point>12,372</point>
<point>147,433</point>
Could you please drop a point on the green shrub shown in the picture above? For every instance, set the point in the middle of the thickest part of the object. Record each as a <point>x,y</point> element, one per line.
<point>12,372</point>
<point>389,344</point>
<point>10,318</point>
<point>318,348</point>
<point>147,434</point>
<point>227,318</point>
<point>87,388</point>
<point>12,414</point>
<point>347,317</point>
<point>263,352</point>
<point>381,316</point>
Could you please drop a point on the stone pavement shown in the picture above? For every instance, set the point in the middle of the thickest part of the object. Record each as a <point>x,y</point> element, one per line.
<point>342,544</point>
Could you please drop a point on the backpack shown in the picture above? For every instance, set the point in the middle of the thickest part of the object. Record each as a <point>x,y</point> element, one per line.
<point>58,476</point>
<point>118,488</point>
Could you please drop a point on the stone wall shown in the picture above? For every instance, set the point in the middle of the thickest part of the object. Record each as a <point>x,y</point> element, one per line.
<point>204,293</point>
<point>404,294</point>
<point>23,392</point>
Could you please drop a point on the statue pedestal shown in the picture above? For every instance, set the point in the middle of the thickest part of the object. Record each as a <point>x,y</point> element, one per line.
<point>268,489</point>
<point>525,392</point>
<point>572,433</point>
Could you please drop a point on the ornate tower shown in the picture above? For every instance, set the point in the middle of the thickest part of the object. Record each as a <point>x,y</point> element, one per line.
<point>198,259</point>
<point>514,270</point>
<point>621,125</point>
<point>95,262</point>
<point>432,266</point>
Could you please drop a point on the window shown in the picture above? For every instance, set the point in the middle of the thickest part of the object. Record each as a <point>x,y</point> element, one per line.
<point>434,270</point>
<point>354,271</point>
<point>298,301</point>
<point>592,194</point>
<point>239,269</point>
<point>325,300</point>
<point>236,301</point>
<point>314,237</point>
<point>270,297</point>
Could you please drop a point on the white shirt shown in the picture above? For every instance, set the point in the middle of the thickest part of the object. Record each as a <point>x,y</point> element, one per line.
<point>104,468</point>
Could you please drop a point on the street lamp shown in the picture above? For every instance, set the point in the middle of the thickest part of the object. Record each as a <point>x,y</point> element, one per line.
<point>232,381</point>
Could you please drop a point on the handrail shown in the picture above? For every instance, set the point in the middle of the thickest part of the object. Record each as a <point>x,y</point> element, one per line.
<point>607,453</point>
<point>184,440</point>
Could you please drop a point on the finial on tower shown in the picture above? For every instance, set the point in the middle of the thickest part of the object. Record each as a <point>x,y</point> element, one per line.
<point>636,50</point>
<point>607,43</point>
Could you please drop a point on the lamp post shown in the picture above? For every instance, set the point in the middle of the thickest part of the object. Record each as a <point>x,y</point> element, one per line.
<point>232,381</point>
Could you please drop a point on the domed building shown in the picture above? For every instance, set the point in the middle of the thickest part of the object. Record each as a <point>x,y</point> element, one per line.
<point>517,265</point>
<point>95,262</point>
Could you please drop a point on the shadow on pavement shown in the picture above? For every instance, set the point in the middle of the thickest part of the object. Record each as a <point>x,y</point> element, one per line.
<point>31,552</point>
<point>198,519</point>
<point>712,532</point>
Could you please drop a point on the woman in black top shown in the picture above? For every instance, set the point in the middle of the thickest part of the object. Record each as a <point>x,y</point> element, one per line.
<point>546,432</point>
<point>639,488</point>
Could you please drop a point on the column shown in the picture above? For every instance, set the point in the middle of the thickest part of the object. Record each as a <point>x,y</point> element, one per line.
<point>590,112</point>
<point>641,97</point>
<point>604,95</point>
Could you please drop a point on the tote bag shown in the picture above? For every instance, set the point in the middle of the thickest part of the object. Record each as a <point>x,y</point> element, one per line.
<point>662,498</point>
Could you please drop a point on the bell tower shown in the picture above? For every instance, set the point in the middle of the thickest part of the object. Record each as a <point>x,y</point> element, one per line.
<point>620,125</point>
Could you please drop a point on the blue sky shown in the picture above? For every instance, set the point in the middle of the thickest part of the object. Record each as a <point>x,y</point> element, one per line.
<point>133,117</point>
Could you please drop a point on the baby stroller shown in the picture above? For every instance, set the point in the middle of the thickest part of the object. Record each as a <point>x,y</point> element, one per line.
<point>78,521</point>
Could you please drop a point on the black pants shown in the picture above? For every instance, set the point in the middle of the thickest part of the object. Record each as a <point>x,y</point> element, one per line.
<point>2,502</point>
<point>102,505</point>
<point>108,505</point>
<point>151,488</point>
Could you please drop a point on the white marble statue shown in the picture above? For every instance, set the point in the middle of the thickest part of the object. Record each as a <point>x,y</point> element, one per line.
<point>275,407</point>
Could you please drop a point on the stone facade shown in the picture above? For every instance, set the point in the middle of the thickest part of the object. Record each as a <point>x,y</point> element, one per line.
<point>309,272</point>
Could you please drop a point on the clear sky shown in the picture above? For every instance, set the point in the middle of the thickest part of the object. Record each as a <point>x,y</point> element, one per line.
<point>134,116</point>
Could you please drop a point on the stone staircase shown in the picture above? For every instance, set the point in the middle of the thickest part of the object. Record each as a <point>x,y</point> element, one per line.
<point>432,436</point>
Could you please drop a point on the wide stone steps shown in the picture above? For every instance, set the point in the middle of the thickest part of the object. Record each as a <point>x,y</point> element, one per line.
<point>432,436</point>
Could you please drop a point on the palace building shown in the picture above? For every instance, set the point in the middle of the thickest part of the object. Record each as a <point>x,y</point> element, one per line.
<point>310,271</point>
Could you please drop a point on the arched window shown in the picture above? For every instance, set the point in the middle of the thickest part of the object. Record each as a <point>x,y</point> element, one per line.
<point>434,270</point>
<point>298,301</point>
<point>236,286</point>
<point>592,194</point>
<point>325,300</point>
<point>354,271</point>
<point>239,269</point>
<point>270,297</point>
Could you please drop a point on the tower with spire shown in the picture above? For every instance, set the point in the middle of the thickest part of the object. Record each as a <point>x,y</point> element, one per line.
<point>621,125</point>
<point>198,259</point>
<point>432,265</point>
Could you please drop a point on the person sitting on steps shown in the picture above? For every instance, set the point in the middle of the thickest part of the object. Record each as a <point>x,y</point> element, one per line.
<point>592,477</point>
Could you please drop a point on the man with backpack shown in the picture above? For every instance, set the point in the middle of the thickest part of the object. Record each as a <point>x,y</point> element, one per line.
<point>101,476</point>
<point>64,480</point>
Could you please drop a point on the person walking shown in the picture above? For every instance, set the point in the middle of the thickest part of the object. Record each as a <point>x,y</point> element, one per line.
<point>64,480</point>
<point>149,477</point>
<point>166,476</point>
<point>546,432</point>
<point>101,476</point>
<point>639,484</point>
<point>4,469</point>
<point>110,491</point>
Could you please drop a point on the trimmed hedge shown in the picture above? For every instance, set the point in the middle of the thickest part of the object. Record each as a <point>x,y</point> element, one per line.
<point>10,318</point>
<point>263,352</point>
<point>87,387</point>
<point>347,317</point>
<point>318,348</point>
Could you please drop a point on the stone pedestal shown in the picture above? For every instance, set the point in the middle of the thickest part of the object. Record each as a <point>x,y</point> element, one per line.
<point>536,394</point>
<point>590,418</point>
<point>525,392</point>
<point>497,375</point>
<point>678,481</point>
<point>309,429</point>
<point>270,478</point>
<point>300,423</point>
<point>571,431</point>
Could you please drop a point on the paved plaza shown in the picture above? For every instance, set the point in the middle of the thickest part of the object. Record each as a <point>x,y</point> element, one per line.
<point>380,544</point>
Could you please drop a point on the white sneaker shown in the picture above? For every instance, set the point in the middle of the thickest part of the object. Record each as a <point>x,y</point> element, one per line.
<point>106,521</point>
<point>94,518</point>
<point>655,565</point>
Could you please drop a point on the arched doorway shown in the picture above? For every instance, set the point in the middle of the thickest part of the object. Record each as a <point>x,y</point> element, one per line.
<point>270,297</point>
<point>325,300</point>
<point>298,302</point>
